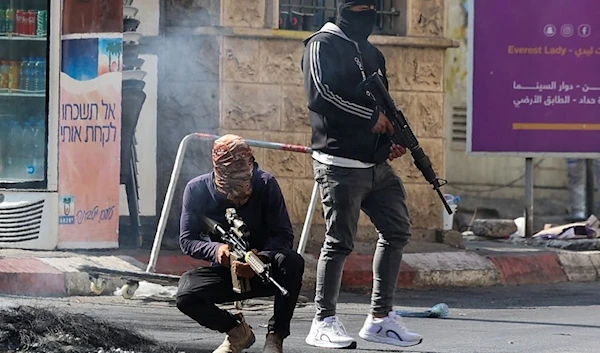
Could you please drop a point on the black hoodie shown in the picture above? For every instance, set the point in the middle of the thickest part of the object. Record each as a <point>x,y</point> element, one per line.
<point>341,117</point>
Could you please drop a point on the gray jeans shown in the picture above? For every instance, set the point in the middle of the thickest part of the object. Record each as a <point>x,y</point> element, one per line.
<point>379,192</point>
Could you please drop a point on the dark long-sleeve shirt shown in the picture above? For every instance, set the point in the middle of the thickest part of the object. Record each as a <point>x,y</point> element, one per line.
<point>265,215</point>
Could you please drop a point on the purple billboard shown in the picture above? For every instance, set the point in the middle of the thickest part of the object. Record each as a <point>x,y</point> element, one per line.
<point>534,72</point>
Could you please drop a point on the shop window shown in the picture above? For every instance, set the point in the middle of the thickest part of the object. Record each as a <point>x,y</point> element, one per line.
<point>310,15</point>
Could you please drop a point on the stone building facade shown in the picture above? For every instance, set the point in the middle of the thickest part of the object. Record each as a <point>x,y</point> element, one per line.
<point>251,80</point>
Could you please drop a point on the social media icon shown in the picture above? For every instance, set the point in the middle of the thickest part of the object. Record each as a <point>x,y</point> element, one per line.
<point>585,30</point>
<point>567,30</point>
<point>549,30</point>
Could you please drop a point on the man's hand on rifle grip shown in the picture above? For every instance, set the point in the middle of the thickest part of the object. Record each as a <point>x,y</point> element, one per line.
<point>396,151</point>
<point>383,125</point>
<point>243,270</point>
<point>223,255</point>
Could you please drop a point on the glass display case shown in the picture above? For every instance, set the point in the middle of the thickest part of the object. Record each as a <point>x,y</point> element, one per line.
<point>24,53</point>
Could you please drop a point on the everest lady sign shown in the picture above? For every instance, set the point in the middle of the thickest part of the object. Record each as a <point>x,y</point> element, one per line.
<point>534,72</point>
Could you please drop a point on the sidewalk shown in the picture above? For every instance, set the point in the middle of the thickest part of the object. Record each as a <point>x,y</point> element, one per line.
<point>50,273</point>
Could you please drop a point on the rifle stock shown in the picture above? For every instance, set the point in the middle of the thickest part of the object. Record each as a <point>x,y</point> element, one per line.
<point>403,135</point>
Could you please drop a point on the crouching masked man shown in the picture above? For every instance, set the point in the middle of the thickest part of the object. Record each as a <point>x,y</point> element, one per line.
<point>237,182</point>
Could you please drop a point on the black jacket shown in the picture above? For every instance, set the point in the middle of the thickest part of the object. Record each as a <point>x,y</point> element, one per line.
<point>342,118</point>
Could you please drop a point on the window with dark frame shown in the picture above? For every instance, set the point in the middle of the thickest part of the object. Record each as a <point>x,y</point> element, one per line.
<point>310,15</point>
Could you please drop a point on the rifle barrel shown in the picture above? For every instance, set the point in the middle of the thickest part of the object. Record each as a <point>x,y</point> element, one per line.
<point>403,135</point>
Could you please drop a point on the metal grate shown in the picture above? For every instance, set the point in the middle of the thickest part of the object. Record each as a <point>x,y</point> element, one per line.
<point>459,125</point>
<point>310,15</point>
<point>21,222</point>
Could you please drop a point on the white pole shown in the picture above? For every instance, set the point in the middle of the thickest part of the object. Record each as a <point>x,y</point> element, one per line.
<point>308,220</point>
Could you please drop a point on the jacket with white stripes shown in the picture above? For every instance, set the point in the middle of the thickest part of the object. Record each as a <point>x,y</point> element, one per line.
<point>341,117</point>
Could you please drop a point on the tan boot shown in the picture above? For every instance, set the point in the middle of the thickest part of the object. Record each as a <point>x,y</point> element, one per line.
<point>238,338</point>
<point>273,343</point>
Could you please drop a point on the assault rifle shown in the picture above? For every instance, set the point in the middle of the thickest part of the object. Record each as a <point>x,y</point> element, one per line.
<point>374,88</point>
<point>239,250</point>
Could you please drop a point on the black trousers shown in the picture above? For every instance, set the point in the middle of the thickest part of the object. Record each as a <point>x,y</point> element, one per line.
<point>201,288</point>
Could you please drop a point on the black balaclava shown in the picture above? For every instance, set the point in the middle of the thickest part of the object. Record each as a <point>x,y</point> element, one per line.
<point>356,25</point>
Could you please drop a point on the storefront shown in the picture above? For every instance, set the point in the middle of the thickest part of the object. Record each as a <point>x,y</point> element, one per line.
<point>60,123</point>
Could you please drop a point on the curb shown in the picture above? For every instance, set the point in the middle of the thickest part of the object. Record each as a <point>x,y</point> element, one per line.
<point>581,266</point>
<point>532,268</point>
<point>30,276</point>
<point>444,269</point>
<point>59,277</point>
<point>172,264</point>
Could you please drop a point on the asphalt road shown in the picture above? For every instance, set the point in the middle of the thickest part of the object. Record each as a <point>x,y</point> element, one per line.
<point>563,318</point>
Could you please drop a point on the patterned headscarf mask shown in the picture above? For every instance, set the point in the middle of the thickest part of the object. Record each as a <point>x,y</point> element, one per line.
<point>233,164</point>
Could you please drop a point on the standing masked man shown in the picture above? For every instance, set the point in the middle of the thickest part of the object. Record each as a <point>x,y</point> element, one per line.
<point>350,165</point>
<point>237,182</point>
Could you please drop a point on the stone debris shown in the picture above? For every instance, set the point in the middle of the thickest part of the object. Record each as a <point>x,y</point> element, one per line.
<point>494,228</point>
<point>450,237</point>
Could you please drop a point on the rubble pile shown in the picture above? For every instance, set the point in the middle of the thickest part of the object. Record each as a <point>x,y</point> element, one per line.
<point>572,245</point>
<point>50,330</point>
<point>577,236</point>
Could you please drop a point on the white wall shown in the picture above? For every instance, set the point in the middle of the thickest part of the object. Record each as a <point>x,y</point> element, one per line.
<point>148,15</point>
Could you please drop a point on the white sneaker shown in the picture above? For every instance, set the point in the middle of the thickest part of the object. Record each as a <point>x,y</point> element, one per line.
<point>329,333</point>
<point>388,330</point>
